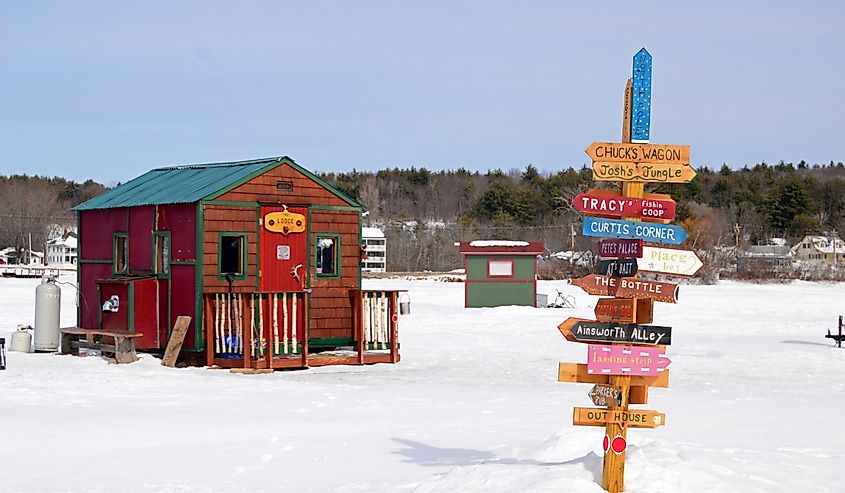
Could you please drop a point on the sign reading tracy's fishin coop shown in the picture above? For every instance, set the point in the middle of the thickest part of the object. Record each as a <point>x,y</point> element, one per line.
<point>625,357</point>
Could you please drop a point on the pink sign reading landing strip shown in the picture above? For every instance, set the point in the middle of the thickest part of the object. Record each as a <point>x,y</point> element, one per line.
<point>625,360</point>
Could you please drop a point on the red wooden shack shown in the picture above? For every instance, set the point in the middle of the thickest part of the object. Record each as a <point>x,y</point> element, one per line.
<point>263,255</point>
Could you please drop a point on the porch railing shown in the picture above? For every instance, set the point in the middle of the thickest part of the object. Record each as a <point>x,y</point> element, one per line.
<point>376,321</point>
<point>255,325</point>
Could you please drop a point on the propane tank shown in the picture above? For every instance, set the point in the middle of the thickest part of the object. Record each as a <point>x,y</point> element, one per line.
<point>21,339</point>
<point>48,299</point>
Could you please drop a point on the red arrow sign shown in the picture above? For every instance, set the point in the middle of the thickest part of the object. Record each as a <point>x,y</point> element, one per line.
<point>625,360</point>
<point>611,203</point>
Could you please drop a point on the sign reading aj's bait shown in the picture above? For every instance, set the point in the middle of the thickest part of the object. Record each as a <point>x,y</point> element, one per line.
<point>623,267</point>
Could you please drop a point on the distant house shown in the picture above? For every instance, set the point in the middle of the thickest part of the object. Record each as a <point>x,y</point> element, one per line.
<point>375,244</point>
<point>500,272</point>
<point>764,258</point>
<point>9,256</point>
<point>820,249</point>
<point>62,250</point>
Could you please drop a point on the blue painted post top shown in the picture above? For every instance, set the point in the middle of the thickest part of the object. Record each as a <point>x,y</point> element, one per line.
<point>652,232</point>
<point>641,103</point>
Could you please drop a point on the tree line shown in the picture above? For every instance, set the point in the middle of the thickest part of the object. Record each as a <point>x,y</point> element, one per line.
<point>35,208</point>
<point>424,212</point>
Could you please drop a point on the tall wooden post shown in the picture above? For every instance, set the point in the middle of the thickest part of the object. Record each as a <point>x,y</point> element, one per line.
<point>613,473</point>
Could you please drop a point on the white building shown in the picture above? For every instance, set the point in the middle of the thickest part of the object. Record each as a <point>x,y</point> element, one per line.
<point>373,240</point>
<point>62,250</point>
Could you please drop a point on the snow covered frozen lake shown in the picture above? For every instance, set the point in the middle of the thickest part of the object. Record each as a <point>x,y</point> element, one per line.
<point>754,402</point>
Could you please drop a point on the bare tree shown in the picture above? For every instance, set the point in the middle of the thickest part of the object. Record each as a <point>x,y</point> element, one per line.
<point>28,209</point>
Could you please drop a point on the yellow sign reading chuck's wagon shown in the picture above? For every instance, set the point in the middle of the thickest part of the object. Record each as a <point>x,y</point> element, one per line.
<point>284,222</point>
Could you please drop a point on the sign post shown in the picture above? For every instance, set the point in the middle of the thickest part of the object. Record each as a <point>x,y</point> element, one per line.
<point>625,358</point>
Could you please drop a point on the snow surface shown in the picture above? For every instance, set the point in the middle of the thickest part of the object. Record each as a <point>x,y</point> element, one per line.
<point>754,404</point>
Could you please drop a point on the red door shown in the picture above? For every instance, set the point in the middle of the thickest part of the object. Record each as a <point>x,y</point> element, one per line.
<point>283,243</point>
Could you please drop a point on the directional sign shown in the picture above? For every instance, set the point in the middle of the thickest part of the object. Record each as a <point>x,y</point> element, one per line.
<point>587,331</point>
<point>585,416</point>
<point>611,203</point>
<point>623,267</point>
<point>625,360</point>
<point>659,173</point>
<point>597,284</point>
<point>577,372</point>
<point>605,395</point>
<point>621,310</point>
<point>641,95</point>
<point>622,152</point>
<point>621,247</point>
<point>614,228</point>
<point>636,288</point>
<point>672,261</point>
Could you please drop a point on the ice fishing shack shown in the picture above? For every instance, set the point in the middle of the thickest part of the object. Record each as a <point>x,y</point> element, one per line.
<point>500,272</point>
<point>263,255</point>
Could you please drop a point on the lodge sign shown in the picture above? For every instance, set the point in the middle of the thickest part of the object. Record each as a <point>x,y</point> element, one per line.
<point>284,222</point>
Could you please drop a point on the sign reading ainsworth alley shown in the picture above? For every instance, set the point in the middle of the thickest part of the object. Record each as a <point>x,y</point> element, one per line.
<point>588,331</point>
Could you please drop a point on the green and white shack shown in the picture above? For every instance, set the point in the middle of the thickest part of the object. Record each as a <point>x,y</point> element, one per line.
<point>500,272</point>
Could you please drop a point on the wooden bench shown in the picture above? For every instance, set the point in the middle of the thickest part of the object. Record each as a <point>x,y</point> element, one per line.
<point>122,345</point>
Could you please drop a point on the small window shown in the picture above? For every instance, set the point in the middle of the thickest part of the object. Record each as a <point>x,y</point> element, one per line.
<point>120,263</point>
<point>162,253</point>
<point>500,268</point>
<point>232,255</point>
<point>327,249</point>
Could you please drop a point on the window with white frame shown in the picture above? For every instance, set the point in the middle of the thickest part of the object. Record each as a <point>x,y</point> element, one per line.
<point>500,268</point>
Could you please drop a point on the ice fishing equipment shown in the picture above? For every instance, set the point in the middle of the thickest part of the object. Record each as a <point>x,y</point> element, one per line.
<point>2,353</point>
<point>48,298</point>
<point>21,340</point>
<point>404,304</point>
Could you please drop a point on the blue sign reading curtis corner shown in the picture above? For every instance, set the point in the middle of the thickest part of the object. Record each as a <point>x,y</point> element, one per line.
<point>614,228</point>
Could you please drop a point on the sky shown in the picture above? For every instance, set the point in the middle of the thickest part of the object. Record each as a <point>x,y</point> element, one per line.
<point>109,90</point>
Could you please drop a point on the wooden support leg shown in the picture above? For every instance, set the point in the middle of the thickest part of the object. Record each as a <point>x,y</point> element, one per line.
<point>124,350</point>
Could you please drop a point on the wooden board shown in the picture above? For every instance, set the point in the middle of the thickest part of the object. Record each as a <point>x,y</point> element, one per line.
<point>671,261</point>
<point>591,331</point>
<point>605,395</point>
<point>621,267</point>
<point>618,152</point>
<point>627,287</point>
<point>177,337</point>
<point>654,290</point>
<point>639,418</point>
<point>610,203</point>
<point>603,359</point>
<point>653,173</point>
<point>614,228</point>
<point>625,310</point>
<point>577,372</point>
<point>621,248</point>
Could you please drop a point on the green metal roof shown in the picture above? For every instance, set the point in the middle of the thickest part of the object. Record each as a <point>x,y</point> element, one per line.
<point>191,183</point>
